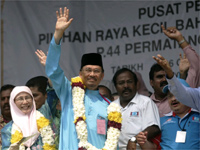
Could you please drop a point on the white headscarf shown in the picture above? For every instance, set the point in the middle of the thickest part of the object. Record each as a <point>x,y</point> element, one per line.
<point>26,122</point>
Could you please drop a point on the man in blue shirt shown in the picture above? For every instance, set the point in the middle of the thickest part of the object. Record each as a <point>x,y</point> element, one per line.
<point>91,73</point>
<point>180,129</point>
<point>186,95</point>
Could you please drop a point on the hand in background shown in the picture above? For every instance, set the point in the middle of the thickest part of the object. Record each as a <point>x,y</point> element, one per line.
<point>183,66</point>
<point>42,57</point>
<point>165,65</point>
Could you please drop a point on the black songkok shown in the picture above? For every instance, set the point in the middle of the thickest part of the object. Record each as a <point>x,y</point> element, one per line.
<point>91,59</point>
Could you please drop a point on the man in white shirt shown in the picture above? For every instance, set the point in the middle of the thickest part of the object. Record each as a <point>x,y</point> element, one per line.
<point>139,112</point>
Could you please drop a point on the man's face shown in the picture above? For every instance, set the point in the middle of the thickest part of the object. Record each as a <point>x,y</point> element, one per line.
<point>39,97</point>
<point>5,106</point>
<point>103,91</point>
<point>91,76</point>
<point>175,105</point>
<point>158,82</point>
<point>125,86</point>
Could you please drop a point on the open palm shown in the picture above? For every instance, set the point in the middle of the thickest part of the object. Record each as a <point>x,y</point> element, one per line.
<point>62,19</point>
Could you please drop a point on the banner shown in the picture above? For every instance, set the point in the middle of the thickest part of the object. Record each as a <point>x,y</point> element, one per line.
<point>126,33</point>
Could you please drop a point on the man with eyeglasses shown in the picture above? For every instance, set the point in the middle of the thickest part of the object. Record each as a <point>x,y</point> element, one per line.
<point>91,73</point>
<point>139,112</point>
<point>5,106</point>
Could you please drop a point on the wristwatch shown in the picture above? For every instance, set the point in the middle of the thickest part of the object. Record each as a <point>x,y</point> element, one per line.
<point>133,139</point>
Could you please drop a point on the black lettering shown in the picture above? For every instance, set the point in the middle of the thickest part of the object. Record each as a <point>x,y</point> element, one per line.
<point>128,47</point>
<point>137,47</point>
<point>77,37</point>
<point>177,7</point>
<point>124,33</point>
<point>132,67</point>
<point>100,50</point>
<point>116,32</point>
<point>109,35</point>
<point>145,29</point>
<point>142,11</point>
<point>99,35</point>
<point>113,69</point>
<point>189,24</point>
<point>197,5</point>
<point>136,30</point>
<point>152,28</point>
<point>189,5</point>
<point>149,12</point>
<point>160,11</point>
<point>179,24</point>
<point>178,61</point>
<point>140,66</point>
<point>88,37</point>
<point>156,46</point>
<point>197,22</point>
<point>42,37</point>
<point>67,36</point>
<point>146,45</point>
<point>169,10</point>
<point>167,44</point>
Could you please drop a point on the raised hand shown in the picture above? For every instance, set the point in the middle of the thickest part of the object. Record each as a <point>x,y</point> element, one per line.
<point>62,23</point>
<point>42,57</point>
<point>183,66</point>
<point>164,64</point>
<point>172,33</point>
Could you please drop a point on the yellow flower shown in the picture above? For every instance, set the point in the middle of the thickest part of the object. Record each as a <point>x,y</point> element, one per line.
<point>17,136</point>
<point>42,122</point>
<point>115,116</point>
<point>49,147</point>
<point>76,80</point>
<point>84,118</point>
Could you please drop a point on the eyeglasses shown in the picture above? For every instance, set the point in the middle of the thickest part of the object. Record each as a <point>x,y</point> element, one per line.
<point>129,82</point>
<point>21,99</point>
<point>89,71</point>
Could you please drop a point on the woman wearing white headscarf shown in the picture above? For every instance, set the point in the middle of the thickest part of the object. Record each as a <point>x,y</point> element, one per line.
<point>27,121</point>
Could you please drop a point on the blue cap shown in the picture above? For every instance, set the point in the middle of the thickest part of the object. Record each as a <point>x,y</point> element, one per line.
<point>165,89</point>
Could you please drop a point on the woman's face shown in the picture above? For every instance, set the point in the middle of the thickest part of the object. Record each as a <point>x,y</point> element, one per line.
<point>24,102</point>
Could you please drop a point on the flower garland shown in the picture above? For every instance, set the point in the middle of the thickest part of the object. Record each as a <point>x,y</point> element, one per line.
<point>43,127</point>
<point>114,119</point>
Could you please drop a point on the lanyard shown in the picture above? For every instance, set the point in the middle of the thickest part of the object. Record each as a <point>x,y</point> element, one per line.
<point>183,129</point>
<point>105,99</point>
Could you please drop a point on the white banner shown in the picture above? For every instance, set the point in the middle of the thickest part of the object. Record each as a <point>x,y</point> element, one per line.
<point>126,33</point>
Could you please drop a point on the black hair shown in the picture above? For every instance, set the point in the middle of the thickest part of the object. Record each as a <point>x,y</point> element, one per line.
<point>122,71</point>
<point>154,68</point>
<point>40,82</point>
<point>103,86</point>
<point>6,87</point>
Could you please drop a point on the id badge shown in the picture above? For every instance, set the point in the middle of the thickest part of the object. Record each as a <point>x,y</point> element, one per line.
<point>101,125</point>
<point>180,136</point>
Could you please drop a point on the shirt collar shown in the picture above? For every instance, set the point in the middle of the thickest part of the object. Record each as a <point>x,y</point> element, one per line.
<point>156,100</point>
<point>173,114</point>
<point>134,100</point>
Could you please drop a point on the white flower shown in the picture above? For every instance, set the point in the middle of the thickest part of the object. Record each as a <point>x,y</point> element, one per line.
<point>81,127</point>
<point>46,132</point>
<point>113,107</point>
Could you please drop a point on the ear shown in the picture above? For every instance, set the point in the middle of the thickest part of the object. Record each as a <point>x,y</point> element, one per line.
<point>102,76</point>
<point>151,83</point>
<point>45,96</point>
<point>81,75</point>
